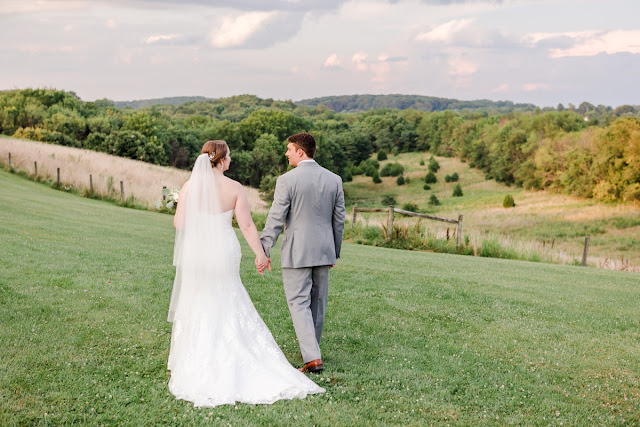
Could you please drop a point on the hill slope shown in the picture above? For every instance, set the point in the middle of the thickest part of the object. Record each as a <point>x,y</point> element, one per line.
<point>541,221</point>
<point>410,339</point>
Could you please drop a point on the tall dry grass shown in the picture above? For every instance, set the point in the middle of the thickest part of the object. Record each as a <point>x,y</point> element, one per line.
<point>545,251</point>
<point>142,180</point>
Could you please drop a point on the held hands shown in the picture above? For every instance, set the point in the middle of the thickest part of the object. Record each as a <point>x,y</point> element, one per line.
<point>262,263</point>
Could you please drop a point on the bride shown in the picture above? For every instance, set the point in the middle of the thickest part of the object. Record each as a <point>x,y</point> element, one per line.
<point>221,350</point>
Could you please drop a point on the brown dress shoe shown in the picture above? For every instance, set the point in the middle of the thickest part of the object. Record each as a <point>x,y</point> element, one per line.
<point>315,366</point>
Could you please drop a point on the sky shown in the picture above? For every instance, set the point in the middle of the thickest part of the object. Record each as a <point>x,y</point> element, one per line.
<point>543,52</point>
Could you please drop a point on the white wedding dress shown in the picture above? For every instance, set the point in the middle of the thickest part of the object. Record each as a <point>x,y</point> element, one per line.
<point>221,350</point>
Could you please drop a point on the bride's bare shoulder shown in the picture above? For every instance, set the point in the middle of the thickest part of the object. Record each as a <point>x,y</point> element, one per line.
<point>233,184</point>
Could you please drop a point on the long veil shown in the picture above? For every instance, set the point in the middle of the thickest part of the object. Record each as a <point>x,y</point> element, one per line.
<point>200,255</point>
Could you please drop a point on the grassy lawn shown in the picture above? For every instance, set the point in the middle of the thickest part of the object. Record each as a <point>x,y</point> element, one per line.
<point>411,338</point>
<point>540,218</point>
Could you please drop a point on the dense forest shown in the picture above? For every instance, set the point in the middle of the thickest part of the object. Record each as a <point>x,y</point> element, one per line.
<point>142,103</point>
<point>359,103</point>
<point>587,151</point>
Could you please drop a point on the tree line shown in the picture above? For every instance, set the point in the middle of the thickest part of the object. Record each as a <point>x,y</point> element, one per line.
<point>587,151</point>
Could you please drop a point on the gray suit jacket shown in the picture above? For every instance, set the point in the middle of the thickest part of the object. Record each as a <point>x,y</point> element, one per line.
<point>309,204</point>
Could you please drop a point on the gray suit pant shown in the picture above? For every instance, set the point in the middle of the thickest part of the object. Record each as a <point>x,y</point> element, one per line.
<point>306,290</point>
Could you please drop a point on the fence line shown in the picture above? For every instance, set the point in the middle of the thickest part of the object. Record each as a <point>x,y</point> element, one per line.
<point>58,181</point>
<point>392,211</point>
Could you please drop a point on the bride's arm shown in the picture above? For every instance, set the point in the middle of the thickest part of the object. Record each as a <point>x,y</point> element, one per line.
<point>245,222</point>
<point>182,198</point>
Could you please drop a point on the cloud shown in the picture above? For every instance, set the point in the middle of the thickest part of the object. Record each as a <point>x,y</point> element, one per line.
<point>111,24</point>
<point>35,6</point>
<point>253,30</point>
<point>610,43</point>
<point>237,31</point>
<point>360,60</point>
<point>332,61</point>
<point>504,87</point>
<point>248,5</point>
<point>532,87</point>
<point>444,32</point>
<point>160,37</point>
<point>37,49</point>
<point>460,67</point>
<point>586,43</point>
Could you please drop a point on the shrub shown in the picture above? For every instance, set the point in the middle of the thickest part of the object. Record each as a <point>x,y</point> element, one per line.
<point>388,200</point>
<point>392,169</point>
<point>268,188</point>
<point>508,201</point>
<point>421,162</point>
<point>382,155</point>
<point>410,207</point>
<point>433,200</point>
<point>434,166</point>
<point>457,191</point>
<point>426,187</point>
<point>376,177</point>
<point>407,180</point>
<point>452,178</point>
<point>400,180</point>
<point>370,170</point>
<point>430,178</point>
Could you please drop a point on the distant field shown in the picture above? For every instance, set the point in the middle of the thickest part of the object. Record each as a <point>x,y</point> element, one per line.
<point>541,220</point>
<point>142,180</point>
<point>411,338</point>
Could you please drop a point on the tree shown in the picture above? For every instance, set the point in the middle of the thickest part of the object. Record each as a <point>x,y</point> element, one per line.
<point>400,180</point>
<point>430,178</point>
<point>434,166</point>
<point>457,191</point>
<point>433,200</point>
<point>382,155</point>
<point>376,178</point>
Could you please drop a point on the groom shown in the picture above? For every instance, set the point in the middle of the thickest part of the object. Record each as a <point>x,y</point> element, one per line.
<point>309,204</point>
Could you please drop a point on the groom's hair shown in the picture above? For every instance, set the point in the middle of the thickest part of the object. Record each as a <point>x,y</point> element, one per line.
<point>306,141</point>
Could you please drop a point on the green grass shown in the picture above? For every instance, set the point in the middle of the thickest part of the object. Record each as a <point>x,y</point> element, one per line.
<point>411,338</point>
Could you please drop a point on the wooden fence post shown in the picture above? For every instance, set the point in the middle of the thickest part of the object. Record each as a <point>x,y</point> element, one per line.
<point>390,224</point>
<point>459,244</point>
<point>586,250</point>
<point>355,210</point>
<point>58,177</point>
<point>122,191</point>
<point>10,165</point>
<point>35,167</point>
<point>90,183</point>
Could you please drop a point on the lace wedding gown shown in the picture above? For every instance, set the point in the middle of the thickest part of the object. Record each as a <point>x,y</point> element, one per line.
<point>221,350</point>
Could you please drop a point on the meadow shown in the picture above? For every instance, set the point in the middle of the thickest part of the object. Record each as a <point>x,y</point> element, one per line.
<point>142,181</point>
<point>550,225</point>
<point>412,338</point>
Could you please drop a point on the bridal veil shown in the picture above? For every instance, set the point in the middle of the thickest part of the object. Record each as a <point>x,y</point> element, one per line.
<point>200,254</point>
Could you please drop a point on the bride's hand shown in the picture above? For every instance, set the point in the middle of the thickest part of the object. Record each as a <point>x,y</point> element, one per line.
<point>262,263</point>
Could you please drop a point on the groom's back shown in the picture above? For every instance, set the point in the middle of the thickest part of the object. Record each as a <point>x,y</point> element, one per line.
<point>310,230</point>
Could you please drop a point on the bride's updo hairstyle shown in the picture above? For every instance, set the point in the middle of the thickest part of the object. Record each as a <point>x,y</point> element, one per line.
<point>217,148</point>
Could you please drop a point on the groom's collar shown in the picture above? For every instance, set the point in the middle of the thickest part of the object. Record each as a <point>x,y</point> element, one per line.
<point>308,161</point>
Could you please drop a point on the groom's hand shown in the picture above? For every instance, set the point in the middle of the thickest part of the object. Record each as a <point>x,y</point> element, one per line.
<point>261,266</point>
